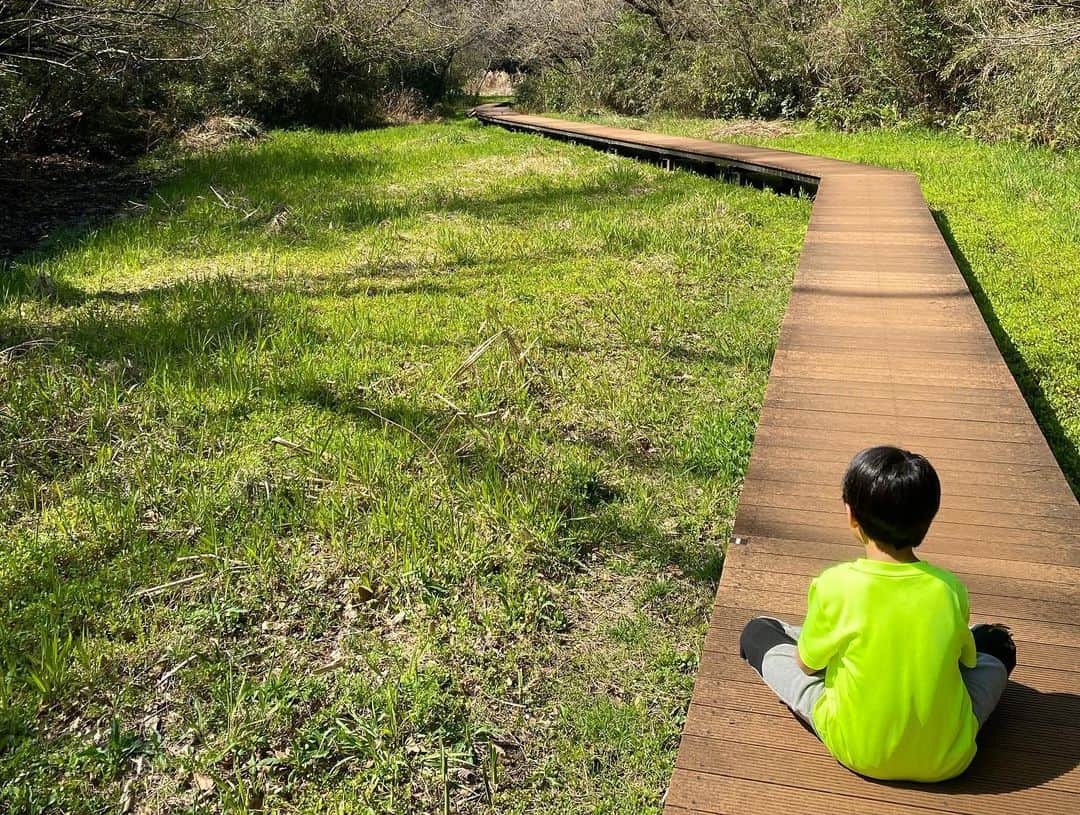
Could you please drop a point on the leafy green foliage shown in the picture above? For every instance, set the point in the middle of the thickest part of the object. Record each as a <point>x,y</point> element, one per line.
<point>111,759</point>
<point>880,61</point>
<point>752,60</point>
<point>999,70</point>
<point>49,669</point>
<point>118,77</point>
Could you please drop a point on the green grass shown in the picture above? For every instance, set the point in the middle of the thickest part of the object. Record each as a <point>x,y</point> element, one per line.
<point>1012,217</point>
<point>275,534</point>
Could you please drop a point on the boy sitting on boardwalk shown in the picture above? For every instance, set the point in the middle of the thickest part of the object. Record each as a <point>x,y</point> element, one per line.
<point>884,668</point>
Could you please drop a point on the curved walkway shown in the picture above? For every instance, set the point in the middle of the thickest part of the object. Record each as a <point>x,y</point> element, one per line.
<point>881,343</point>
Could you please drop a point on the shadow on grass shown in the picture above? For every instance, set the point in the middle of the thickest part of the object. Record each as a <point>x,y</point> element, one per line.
<point>1063,447</point>
<point>367,288</point>
<point>527,202</point>
<point>582,497</point>
<point>273,189</point>
<point>86,362</point>
<point>277,177</point>
<point>155,326</point>
<point>134,336</point>
<point>44,195</point>
<point>262,191</point>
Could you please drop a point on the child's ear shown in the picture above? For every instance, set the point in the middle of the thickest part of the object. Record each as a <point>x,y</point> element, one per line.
<point>850,516</point>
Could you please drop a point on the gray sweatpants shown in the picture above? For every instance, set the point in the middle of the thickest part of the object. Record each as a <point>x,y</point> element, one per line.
<point>985,682</point>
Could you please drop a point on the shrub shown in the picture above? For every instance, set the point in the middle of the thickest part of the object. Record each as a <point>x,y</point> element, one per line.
<point>753,59</point>
<point>1023,62</point>
<point>628,69</point>
<point>879,60</point>
<point>328,63</point>
<point>998,68</point>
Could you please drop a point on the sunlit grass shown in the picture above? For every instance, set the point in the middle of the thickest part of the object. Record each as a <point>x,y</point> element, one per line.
<point>378,472</point>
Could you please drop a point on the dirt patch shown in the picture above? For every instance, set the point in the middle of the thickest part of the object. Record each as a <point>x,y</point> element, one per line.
<point>405,107</point>
<point>493,83</point>
<point>218,131</point>
<point>754,127</point>
<point>43,194</point>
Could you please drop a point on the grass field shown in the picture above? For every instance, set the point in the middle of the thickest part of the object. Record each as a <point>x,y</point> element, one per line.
<point>1012,216</point>
<point>376,473</point>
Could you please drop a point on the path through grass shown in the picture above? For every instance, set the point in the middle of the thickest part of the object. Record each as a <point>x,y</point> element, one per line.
<point>376,473</point>
<point>1012,216</point>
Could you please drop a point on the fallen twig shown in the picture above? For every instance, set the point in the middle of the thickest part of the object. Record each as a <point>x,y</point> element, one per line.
<point>315,477</point>
<point>332,665</point>
<point>477,352</point>
<point>460,413</point>
<point>224,203</point>
<point>291,445</point>
<point>165,677</point>
<point>7,354</point>
<point>233,564</point>
<point>183,581</point>
<point>402,427</point>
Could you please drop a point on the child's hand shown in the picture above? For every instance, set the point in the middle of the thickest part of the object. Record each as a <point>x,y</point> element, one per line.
<point>806,669</point>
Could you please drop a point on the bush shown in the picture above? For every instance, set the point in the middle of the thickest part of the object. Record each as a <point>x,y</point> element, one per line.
<point>1001,68</point>
<point>997,68</point>
<point>754,60</point>
<point>1032,97</point>
<point>625,74</point>
<point>91,72</point>
<point>1025,71</point>
<point>628,69</point>
<point>879,60</point>
<point>325,63</point>
<point>756,67</point>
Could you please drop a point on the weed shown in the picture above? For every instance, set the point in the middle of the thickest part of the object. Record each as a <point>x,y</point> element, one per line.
<point>110,760</point>
<point>50,668</point>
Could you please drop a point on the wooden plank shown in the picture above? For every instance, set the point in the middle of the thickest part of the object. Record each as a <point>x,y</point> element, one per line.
<point>1057,673</point>
<point>821,773</point>
<point>777,580</point>
<point>1012,490</point>
<point>881,342</point>
<point>1036,547</point>
<point>1031,737</point>
<point>981,562</point>
<point>1019,457</point>
<point>779,733</point>
<point>844,387</point>
<point>1011,524</point>
<point>790,484</point>
<point>892,422</point>
<point>698,792</point>
<point>805,568</point>
<point>1057,631</point>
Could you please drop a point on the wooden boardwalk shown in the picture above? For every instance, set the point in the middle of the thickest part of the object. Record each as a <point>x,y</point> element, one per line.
<point>881,343</point>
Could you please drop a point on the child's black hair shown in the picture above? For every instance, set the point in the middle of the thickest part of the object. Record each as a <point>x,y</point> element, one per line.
<point>893,494</point>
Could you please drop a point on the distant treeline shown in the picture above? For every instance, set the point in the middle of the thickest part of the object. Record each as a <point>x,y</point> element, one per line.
<point>997,68</point>
<point>117,75</point>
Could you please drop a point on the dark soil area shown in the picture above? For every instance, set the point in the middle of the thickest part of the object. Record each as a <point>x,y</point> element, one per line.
<point>40,195</point>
